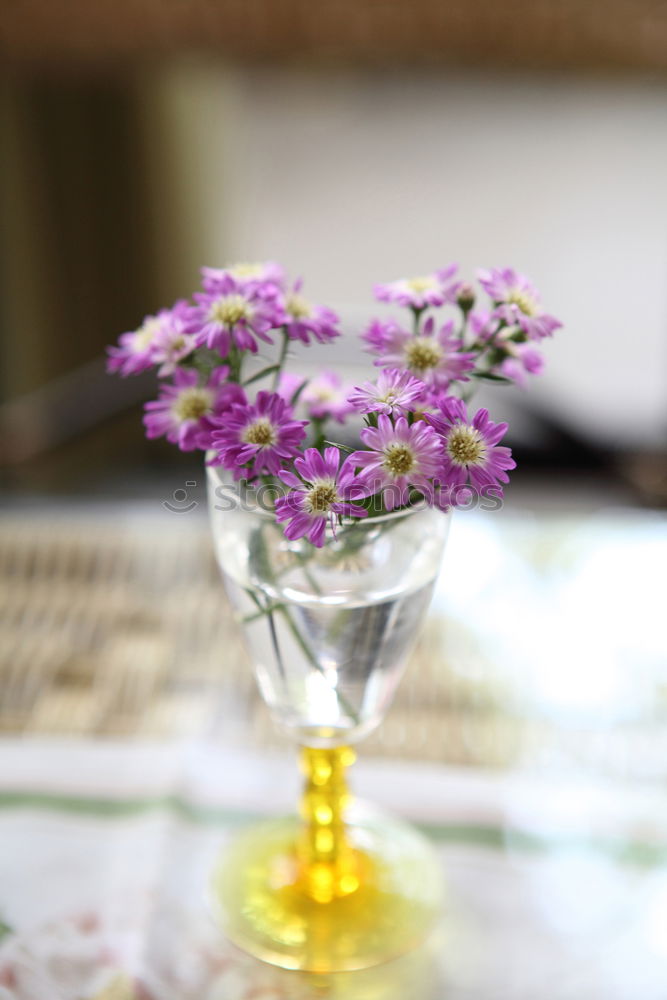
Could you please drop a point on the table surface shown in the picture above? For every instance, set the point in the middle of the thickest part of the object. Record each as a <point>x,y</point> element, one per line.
<point>527,739</point>
<point>554,890</point>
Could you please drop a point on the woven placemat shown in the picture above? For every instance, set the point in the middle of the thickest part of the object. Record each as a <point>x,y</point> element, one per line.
<point>117,625</point>
<point>114,623</point>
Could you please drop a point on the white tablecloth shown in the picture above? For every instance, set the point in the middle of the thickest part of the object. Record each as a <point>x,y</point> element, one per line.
<point>555,891</point>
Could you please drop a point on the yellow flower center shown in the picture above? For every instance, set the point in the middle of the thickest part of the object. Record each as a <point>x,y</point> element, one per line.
<point>421,353</point>
<point>399,459</point>
<point>261,432</point>
<point>143,337</point>
<point>466,446</point>
<point>193,404</point>
<point>229,310</point>
<point>321,496</point>
<point>421,284</point>
<point>297,306</point>
<point>245,270</point>
<point>388,397</point>
<point>323,394</point>
<point>521,299</point>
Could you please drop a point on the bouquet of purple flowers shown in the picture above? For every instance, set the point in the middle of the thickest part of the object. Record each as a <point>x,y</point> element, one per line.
<point>417,442</point>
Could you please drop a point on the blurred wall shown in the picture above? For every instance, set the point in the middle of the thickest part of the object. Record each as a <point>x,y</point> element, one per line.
<point>77,260</point>
<point>116,188</point>
<point>349,177</point>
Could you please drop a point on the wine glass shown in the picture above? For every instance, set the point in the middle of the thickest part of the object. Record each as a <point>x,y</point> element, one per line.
<point>343,886</point>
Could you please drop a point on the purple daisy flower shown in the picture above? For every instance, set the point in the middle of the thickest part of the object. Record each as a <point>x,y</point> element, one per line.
<point>231,311</point>
<point>435,359</point>
<point>257,437</point>
<point>402,456</point>
<point>523,360</point>
<point>172,342</point>
<point>393,393</point>
<point>185,411</point>
<point>305,320</point>
<point>260,271</point>
<point>483,324</point>
<point>517,302</point>
<point>471,453</point>
<point>135,351</point>
<point>326,397</point>
<point>517,358</point>
<point>321,493</point>
<point>382,335</point>
<point>418,293</point>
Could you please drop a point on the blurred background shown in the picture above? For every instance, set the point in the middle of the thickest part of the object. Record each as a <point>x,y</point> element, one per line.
<point>353,141</point>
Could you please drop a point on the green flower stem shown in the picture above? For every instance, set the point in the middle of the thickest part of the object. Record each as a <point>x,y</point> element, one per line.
<point>342,700</point>
<point>256,615</point>
<point>261,556</point>
<point>463,331</point>
<point>417,316</point>
<point>301,642</point>
<point>235,362</point>
<point>317,423</point>
<point>272,628</point>
<point>281,359</point>
<point>310,578</point>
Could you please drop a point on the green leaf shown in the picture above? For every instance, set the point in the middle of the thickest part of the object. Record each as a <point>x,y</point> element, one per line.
<point>262,374</point>
<point>337,444</point>
<point>295,398</point>
<point>490,377</point>
<point>205,357</point>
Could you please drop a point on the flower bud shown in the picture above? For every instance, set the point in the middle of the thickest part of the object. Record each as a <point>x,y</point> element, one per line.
<point>465,296</point>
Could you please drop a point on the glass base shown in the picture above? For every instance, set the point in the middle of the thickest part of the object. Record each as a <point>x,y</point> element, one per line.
<point>261,903</point>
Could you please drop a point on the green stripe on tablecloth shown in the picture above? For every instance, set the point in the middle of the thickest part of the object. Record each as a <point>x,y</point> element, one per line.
<point>118,808</point>
<point>470,834</point>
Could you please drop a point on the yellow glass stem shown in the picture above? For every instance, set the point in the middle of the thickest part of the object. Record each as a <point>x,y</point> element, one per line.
<point>335,889</point>
<point>329,867</point>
